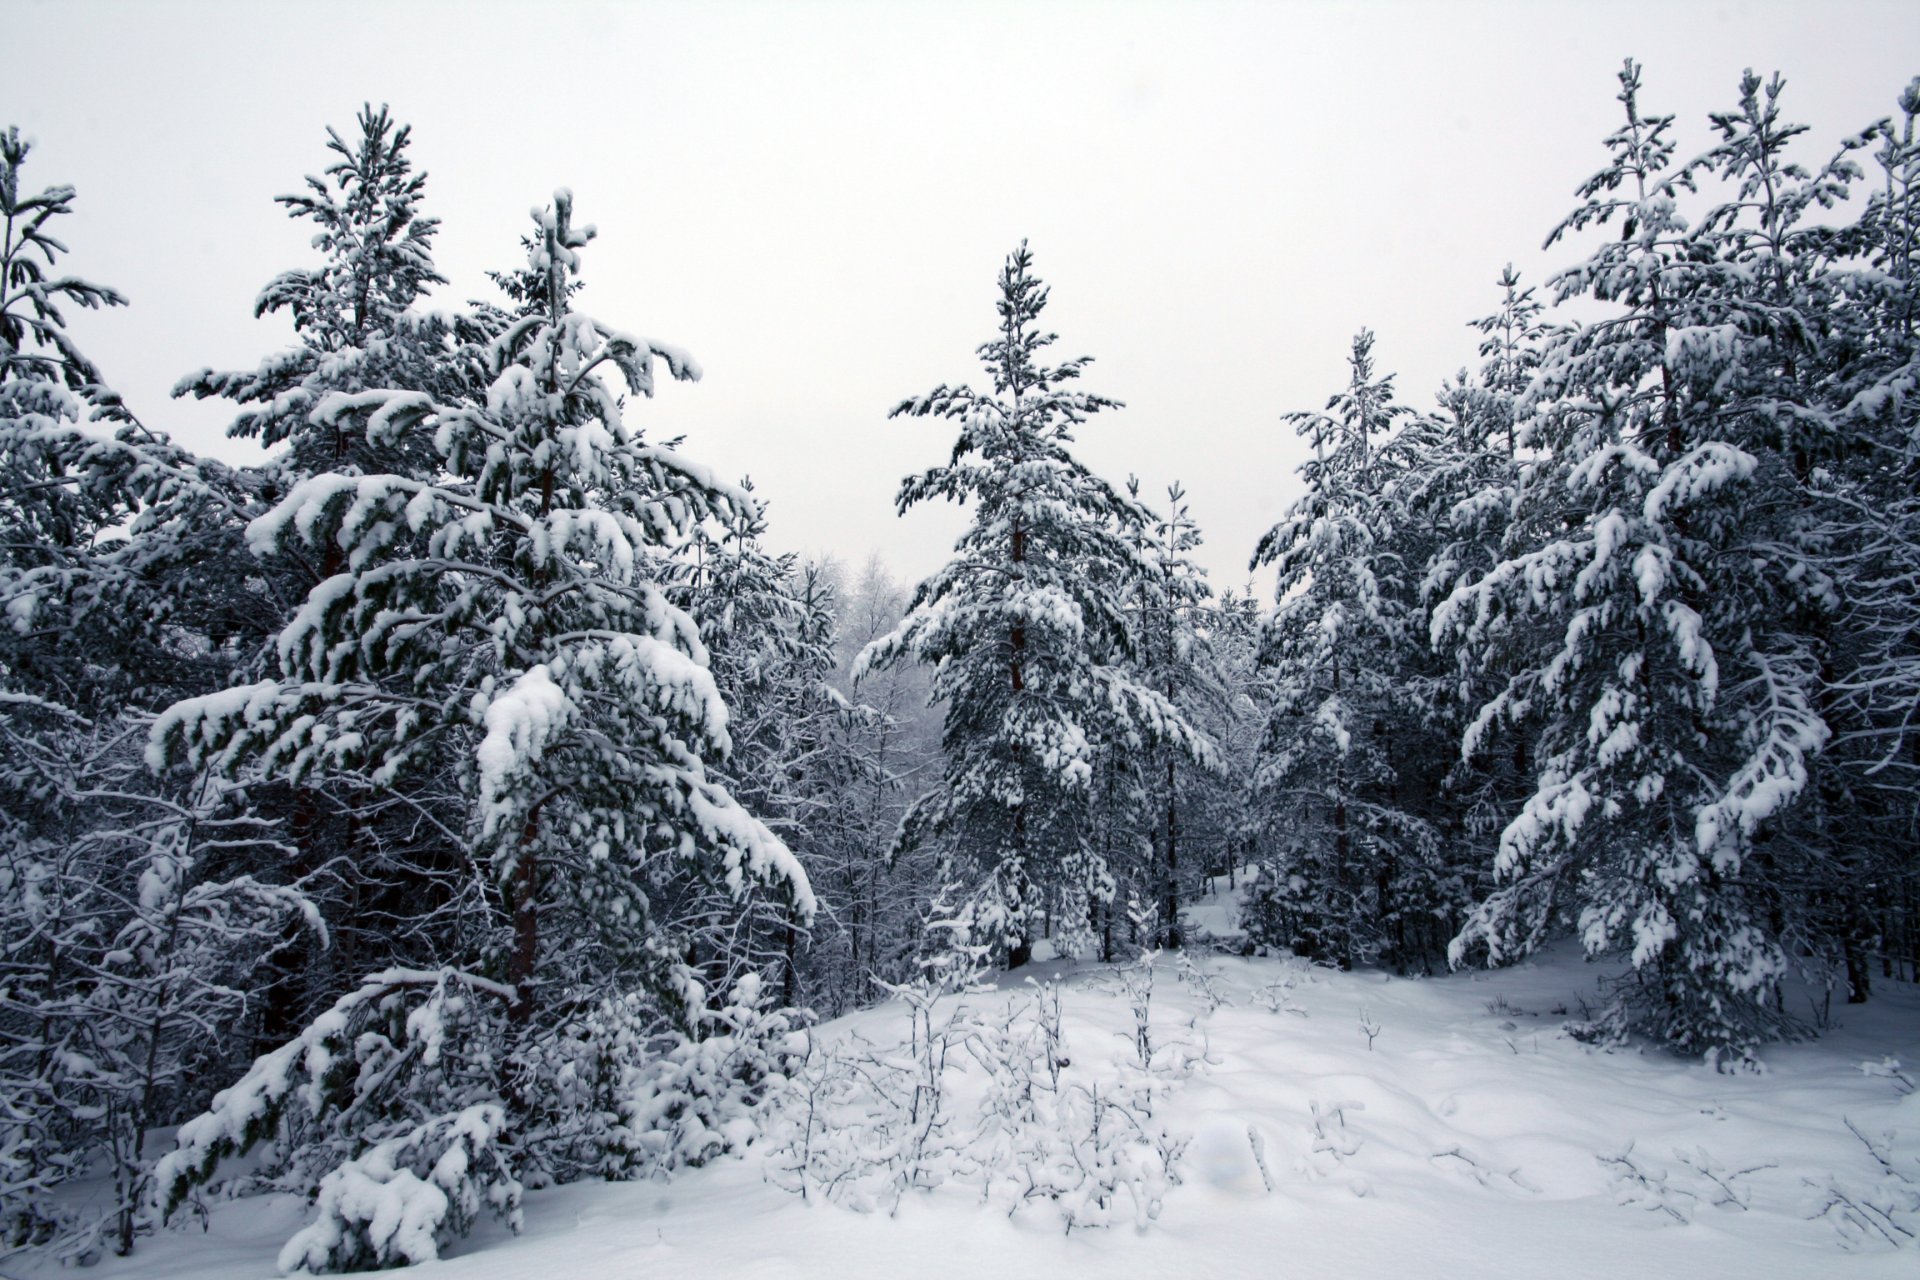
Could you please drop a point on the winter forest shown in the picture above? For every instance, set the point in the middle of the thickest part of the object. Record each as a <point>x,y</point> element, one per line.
<point>468,807</point>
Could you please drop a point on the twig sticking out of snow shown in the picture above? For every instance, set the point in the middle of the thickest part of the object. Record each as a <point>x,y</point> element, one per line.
<point>1885,1210</point>
<point>1201,982</point>
<point>1888,1068</point>
<point>1259,1146</point>
<point>1724,1181</point>
<point>1640,1184</point>
<point>1482,1172</point>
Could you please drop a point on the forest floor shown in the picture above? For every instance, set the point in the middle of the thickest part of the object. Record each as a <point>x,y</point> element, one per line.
<point>1468,1135</point>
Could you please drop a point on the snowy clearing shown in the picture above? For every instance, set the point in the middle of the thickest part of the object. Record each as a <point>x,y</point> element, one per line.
<point>1471,1136</point>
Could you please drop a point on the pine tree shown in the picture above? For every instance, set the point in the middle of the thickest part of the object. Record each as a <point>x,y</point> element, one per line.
<point>1661,536</point>
<point>50,517</point>
<point>505,618</point>
<point>353,315</point>
<point>1176,660</point>
<point>129,926</point>
<point>768,623</point>
<point>1027,631</point>
<point>1455,474</point>
<point>358,331</point>
<point>1867,543</point>
<point>1336,639</point>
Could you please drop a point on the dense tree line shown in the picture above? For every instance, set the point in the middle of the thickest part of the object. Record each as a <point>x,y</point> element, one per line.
<point>470,798</point>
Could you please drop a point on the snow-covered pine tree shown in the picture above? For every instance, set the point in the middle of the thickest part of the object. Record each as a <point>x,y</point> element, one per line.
<point>354,319</point>
<point>1659,536</point>
<point>1455,473</point>
<point>1868,502</point>
<point>503,620</point>
<point>821,769</point>
<point>1027,630</point>
<point>1238,834</point>
<point>127,930</point>
<point>1336,639</point>
<point>49,517</point>
<point>358,326</point>
<point>768,623</point>
<point>1177,660</point>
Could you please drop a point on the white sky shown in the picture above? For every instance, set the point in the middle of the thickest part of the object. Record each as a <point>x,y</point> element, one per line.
<point>814,198</point>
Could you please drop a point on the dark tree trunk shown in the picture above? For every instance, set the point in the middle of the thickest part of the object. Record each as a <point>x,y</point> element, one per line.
<point>1172,902</point>
<point>1021,950</point>
<point>525,958</point>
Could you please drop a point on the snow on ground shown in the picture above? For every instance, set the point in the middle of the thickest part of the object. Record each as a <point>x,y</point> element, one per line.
<point>1467,1143</point>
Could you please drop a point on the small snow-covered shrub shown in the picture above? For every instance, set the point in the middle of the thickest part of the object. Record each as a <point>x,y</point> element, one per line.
<point>416,1103</point>
<point>702,1098</point>
<point>871,1124</point>
<point>617,1091</point>
<point>867,1123</point>
<point>402,1200</point>
<point>407,1042</point>
<point>1202,982</point>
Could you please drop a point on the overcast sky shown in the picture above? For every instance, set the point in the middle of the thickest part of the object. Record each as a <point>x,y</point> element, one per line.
<point>814,198</point>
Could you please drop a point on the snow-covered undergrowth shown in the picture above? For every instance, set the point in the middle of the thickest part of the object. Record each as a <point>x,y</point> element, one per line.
<point>1293,1121</point>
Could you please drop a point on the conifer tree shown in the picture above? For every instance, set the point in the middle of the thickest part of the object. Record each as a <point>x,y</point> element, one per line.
<point>128,931</point>
<point>1660,536</point>
<point>358,327</point>
<point>1331,766</point>
<point>1027,630</point>
<point>505,620</point>
<point>354,319</point>
<point>1867,542</point>
<point>1177,660</point>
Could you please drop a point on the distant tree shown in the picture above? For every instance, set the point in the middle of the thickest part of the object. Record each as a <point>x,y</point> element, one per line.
<point>1177,660</point>
<point>886,743</point>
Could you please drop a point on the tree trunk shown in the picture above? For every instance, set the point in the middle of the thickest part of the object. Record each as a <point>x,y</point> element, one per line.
<point>1021,950</point>
<point>526,921</point>
<point>1172,900</point>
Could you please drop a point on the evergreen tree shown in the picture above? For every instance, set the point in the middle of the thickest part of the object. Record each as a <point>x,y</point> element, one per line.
<point>1661,536</point>
<point>129,920</point>
<point>1176,660</point>
<point>1337,639</point>
<point>1454,477</point>
<point>353,315</point>
<point>1027,630</point>
<point>50,517</point>
<point>1867,542</point>
<point>507,618</point>
<point>358,331</point>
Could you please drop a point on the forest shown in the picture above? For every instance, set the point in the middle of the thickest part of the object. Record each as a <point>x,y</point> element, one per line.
<point>467,801</point>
